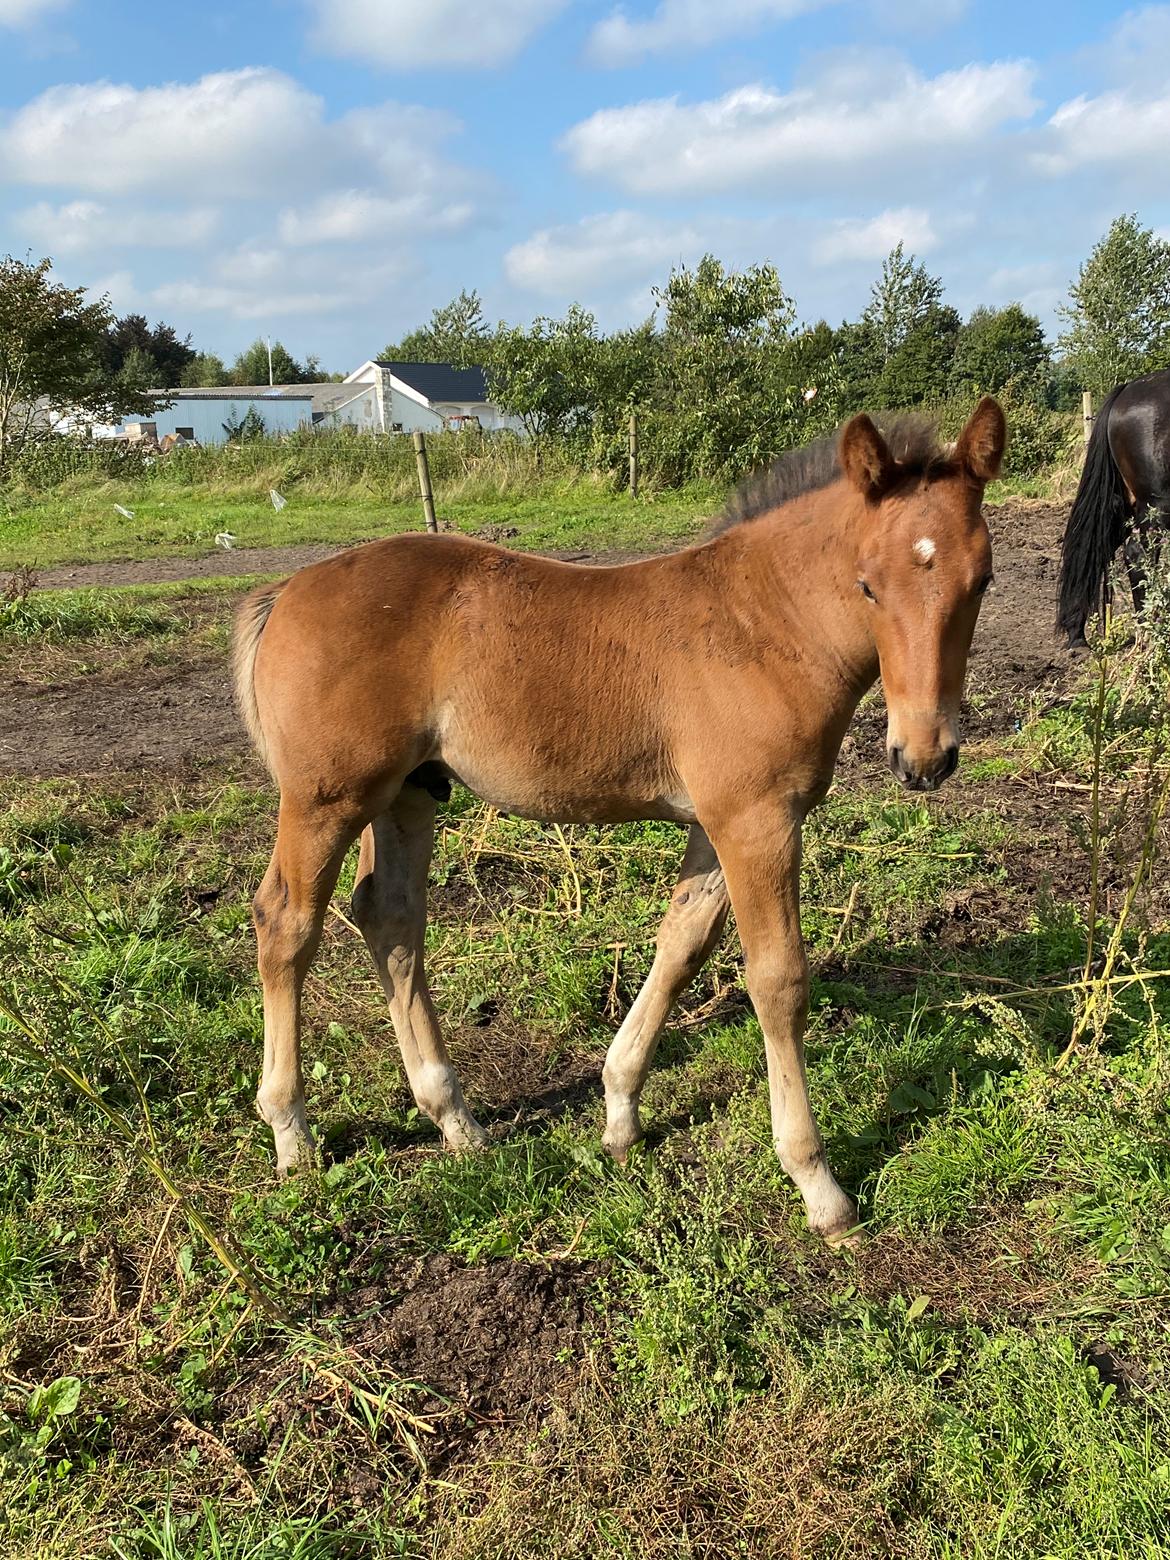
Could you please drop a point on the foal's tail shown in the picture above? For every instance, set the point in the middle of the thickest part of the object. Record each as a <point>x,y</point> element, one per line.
<point>253,614</point>
<point>1095,530</point>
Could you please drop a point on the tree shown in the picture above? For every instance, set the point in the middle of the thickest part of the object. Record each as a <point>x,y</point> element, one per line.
<point>999,347</point>
<point>545,374</point>
<point>251,367</point>
<point>1118,314</point>
<point>917,371</point>
<point>204,370</point>
<point>51,359</point>
<point>167,354</point>
<point>456,333</point>
<point>814,369</point>
<point>722,398</point>
<point>901,299</point>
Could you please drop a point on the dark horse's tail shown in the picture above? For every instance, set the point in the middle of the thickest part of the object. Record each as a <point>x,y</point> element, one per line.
<point>1095,530</point>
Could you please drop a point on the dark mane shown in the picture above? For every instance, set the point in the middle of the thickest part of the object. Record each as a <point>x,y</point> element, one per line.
<point>912,440</point>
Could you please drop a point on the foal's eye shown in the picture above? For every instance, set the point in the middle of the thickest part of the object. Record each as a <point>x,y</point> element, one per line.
<point>988,579</point>
<point>863,587</point>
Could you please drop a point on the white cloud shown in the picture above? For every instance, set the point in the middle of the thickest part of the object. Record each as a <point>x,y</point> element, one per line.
<point>232,132</point>
<point>841,127</point>
<point>917,15</point>
<point>1116,127</point>
<point>854,239</point>
<point>231,135</point>
<point>266,281</point>
<point>23,13</point>
<point>417,34</point>
<point>687,24</point>
<point>83,225</point>
<point>354,216</point>
<point>1139,47</point>
<point>242,303</point>
<point>578,258</point>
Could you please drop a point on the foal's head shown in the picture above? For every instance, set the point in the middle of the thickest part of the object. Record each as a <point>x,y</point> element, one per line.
<point>923,563</point>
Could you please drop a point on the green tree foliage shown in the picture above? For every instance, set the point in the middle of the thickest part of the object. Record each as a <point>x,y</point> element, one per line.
<point>456,333</point>
<point>918,370</point>
<point>902,299</point>
<point>899,353</point>
<point>159,355</point>
<point>720,399</point>
<point>203,371</point>
<point>1000,347</point>
<point>546,374</point>
<point>251,367</point>
<point>1118,315</point>
<point>52,360</point>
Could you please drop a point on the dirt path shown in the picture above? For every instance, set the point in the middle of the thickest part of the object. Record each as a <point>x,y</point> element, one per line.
<point>162,571</point>
<point>174,717</point>
<point>230,563</point>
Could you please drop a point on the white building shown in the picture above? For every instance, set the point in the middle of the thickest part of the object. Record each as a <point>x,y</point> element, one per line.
<point>428,397</point>
<point>210,414</point>
<point>378,397</point>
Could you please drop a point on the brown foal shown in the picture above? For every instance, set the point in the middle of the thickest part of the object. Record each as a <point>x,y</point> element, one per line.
<point>712,686</point>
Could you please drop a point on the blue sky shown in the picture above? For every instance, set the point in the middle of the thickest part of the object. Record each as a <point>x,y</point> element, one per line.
<point>329,170</point>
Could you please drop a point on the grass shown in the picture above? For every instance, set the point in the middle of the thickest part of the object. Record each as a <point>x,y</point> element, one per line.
<point>534,1351</point>
<point>337,490</point>
<point>341,489</point>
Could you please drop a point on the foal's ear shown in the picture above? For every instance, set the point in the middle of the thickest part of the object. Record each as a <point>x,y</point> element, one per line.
<point>980,446</point>
<point>865,458</point>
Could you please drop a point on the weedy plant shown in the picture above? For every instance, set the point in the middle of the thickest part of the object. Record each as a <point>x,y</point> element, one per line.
<point>1129,730</point>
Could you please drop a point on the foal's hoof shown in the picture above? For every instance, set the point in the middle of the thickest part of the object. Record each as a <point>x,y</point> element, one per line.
<point>851,1239</point>
<point>619,1149</point>
<point>464,1137</point>
<point>298,1160</point>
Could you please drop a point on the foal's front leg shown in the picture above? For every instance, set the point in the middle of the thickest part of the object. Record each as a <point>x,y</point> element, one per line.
<point>760,852</point>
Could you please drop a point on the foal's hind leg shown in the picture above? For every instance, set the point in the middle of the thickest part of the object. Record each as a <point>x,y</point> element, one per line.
<point>390,906</point>
<point>288,911</point>
<point>689,932</point>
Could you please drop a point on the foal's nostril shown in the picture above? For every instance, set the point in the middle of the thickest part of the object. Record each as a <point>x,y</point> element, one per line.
<point>895,757</point>
<point>949,764</point>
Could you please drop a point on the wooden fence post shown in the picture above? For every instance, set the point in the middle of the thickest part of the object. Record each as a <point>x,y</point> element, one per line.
<point>424,480</point>
<point>1087,414</point>
<point>633,454</point>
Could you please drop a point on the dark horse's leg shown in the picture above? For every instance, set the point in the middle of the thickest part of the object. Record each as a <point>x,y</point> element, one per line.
<point>1137,554</point>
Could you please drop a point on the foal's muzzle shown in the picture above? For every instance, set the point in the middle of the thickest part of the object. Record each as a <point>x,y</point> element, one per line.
<point>924,777</point>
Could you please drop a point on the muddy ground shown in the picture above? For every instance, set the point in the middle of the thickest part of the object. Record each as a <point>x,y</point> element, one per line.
<point>103,715</point>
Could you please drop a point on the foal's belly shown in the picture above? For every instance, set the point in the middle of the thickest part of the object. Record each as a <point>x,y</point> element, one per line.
<point>555,797</point>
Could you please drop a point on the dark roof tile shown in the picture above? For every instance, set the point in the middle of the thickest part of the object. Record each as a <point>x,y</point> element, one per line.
<point>440,381</point>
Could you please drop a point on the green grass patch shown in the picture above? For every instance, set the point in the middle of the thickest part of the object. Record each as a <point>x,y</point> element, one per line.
<point>989,1378</point>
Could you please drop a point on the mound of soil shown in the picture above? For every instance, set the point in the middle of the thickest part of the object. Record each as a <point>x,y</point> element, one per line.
<point>493,1339</point>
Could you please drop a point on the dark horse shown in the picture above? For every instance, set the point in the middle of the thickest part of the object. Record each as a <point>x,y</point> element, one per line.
<point>1123,500</point>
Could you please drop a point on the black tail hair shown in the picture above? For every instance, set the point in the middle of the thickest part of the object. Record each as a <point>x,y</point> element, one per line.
<point>1095,530</point>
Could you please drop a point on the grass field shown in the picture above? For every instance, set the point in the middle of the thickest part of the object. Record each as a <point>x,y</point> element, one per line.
<point>341,490</point>
<point>534,1352</point>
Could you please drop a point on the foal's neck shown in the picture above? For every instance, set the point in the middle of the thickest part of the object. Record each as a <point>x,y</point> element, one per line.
<point>802,576</point>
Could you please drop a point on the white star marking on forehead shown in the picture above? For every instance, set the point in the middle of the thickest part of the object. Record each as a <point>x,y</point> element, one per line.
<point>924,549</point>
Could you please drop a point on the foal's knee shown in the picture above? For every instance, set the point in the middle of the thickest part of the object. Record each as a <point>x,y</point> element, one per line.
<point>286,938</point>
<point>779,988</point>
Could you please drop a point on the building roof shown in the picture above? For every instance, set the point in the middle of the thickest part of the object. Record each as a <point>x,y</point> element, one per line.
<point>440,381</point>
<point>325,396</point>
